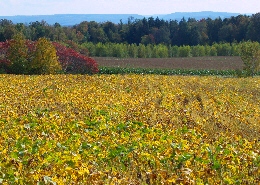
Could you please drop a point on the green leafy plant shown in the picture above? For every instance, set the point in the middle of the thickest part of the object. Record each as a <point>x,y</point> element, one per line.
<point>250,55</point>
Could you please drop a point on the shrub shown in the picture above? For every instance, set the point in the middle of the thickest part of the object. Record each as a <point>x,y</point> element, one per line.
<point>250,55</point>
<point>74,62</point>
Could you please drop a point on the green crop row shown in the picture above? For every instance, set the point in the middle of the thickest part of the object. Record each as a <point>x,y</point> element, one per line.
<point>197,72</point>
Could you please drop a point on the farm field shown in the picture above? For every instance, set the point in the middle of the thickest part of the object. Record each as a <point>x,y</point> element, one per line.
<point>211,63</point>
<point>129,129</point>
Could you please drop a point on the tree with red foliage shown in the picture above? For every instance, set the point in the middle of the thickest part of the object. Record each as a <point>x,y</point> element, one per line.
<point>74,62</point>
<point>71,61</point>
<point>4,63</point>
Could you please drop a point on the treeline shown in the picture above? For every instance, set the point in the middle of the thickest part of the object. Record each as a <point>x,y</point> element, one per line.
<point>144,31</point>
<point>160,50</point>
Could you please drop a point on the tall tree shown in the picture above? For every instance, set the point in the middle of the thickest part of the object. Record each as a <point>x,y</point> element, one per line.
<point>161,35</point>
<point>213,29</point>
<point>227,33</point>
<point>242,22</point>
<point>83,29</point>
<point>194,36</point>
<point>7,30</point>
<point>254,28</point>
<point>57,33</point>
<point>17,54</point>
<point>174,27</point>
<point>39,30</point>
<point>183,33</point>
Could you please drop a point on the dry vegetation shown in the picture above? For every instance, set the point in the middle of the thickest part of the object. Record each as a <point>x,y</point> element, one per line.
<point>129,129</point>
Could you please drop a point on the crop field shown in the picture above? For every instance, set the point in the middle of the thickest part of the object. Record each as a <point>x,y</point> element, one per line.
<point>210,63</point>
<point>129,129</point>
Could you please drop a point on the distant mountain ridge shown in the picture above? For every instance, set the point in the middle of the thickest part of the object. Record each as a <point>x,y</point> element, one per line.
<point>72,19</point>
<point>198,15</point>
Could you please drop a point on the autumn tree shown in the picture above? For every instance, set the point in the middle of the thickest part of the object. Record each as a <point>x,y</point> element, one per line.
<point>17,54</point>
<point>4,63</point>
<point>44,58</point>
<point>72,62</point>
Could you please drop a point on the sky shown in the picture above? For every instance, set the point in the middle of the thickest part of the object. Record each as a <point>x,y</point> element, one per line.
<point>141,7</point>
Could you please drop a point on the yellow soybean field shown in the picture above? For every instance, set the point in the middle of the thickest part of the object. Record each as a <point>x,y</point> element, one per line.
<point>129,129</point>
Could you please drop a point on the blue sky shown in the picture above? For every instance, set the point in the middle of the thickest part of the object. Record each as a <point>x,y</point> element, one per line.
<point>142,7</point>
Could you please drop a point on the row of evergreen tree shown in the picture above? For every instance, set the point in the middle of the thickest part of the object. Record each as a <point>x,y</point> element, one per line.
<point>143,31</point>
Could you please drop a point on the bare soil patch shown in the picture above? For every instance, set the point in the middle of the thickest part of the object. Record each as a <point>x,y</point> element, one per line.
<point>214,63</point>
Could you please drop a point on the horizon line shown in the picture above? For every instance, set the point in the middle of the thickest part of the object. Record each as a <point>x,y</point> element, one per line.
<point>123,14</point>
